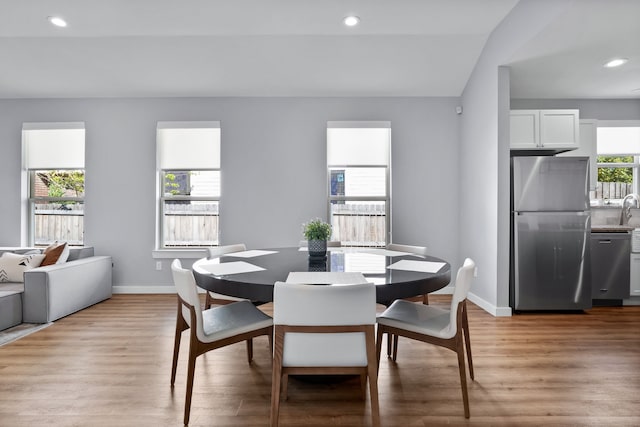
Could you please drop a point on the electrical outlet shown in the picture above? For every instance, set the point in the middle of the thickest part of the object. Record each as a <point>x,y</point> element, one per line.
<point>158,265</point>
<point>475,272</point>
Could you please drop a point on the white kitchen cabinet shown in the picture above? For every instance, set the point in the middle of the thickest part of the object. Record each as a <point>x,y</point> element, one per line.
<point>544,129</point>
<point>587,148</point>
<point>524,129</point>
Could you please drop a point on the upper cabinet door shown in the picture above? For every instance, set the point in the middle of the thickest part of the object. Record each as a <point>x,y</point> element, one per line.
<point>559,129</point>
<point>524,129</point>
<point>544,129</point>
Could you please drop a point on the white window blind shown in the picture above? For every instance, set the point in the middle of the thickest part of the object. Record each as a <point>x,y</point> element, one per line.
<point>618,140</point>
<point>188,145</point>
<point>358,143</point>
<point>53,145</point>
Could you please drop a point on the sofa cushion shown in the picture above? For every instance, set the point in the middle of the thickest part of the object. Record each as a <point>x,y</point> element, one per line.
<point>55,254</point>
<point>80,252</point>
<point>10,306</point>
<point>13,266</point>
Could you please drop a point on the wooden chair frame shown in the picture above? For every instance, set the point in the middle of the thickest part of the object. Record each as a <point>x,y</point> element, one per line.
<point>210,300</point>
<point>197,348</point>
<point>281,373</point>
<point>457,343</point>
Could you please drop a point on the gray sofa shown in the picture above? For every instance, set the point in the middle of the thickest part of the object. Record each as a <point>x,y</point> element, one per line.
<point>51,292</point>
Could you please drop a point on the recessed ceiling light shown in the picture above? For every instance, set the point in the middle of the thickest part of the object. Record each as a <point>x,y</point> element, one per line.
<point>57,21</point>
<point>616,62</point>
<point>351,21</point>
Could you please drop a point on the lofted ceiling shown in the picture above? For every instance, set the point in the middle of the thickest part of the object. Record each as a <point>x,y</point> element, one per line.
<point>566,59</point>
<point>193,48</point>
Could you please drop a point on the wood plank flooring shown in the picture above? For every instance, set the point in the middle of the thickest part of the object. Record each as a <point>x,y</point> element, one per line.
<point>110,365</point>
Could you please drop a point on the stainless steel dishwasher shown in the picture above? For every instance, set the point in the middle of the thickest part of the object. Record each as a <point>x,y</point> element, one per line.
<point>610,266</point>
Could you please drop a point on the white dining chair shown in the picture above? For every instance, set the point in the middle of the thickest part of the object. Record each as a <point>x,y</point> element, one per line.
<point>324,329</point>
<point>446,328</point>
<point>213,328</point>
<point>392,341</point>
<point>213,297</point>
<point>417,250</point>
<point>414,250</point>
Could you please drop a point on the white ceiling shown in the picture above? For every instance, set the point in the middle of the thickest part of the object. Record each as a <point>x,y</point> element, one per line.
<point>566,59</point>
<point>165,48</point>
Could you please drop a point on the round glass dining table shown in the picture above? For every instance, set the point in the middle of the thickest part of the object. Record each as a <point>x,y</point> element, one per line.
<point>396,274</point>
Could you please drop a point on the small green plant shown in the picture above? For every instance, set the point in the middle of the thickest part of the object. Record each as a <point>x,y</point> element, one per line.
<point>58,182</point>
<point>316,229</point>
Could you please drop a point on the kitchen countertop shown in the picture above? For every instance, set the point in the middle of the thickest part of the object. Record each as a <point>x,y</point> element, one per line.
<point>611,228</point>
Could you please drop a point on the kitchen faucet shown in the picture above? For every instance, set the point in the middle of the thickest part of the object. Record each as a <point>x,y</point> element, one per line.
<point>625,211</point>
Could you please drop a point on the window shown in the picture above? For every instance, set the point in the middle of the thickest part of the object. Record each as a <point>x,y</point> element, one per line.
<point>188,156</point>
<point>53,155</point>
<point>358,169</point>
<point>618,147</point>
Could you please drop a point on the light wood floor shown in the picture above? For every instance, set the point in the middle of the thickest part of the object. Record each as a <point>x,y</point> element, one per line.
<point>109,365</point>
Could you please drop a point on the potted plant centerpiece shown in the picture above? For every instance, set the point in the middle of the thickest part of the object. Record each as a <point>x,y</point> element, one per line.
<point>317,232</point>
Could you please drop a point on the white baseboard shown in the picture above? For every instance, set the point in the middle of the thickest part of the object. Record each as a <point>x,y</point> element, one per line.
<point>490,308</point>
<point>170,289</point>
<point>634,300</point>
<point>141,289</point>
<point>448,290</point>
<point>483,304</point>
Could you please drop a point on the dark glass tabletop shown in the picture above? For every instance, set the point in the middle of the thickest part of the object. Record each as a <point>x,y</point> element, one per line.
<point>391,284</point>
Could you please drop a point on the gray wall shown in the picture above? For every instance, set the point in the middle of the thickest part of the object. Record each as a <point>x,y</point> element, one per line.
<point>484,147</point>
<point>273,166</point>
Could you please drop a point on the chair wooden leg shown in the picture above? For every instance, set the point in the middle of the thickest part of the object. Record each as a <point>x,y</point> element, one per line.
<point>425,299</point>
<point>249,350</point>
<point>180,326</point>
<point>379,345</point>
<point>207,301</point>
<point>467,341</point>
<point>395,347</point>
<point>363,386</point>
<point>285,387</point>
<point>276,377</point>
<point>389,344</point>
<point>463,375</point>
<point>190,374</point>
<point>372,373</point>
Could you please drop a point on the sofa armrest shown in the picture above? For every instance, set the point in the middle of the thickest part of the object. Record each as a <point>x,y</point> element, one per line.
<point>58,290</point>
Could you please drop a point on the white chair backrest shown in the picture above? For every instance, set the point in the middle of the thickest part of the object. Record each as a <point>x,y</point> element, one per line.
<point>187,289</point>
<point>217,251</point>
<point>418,250</point>
<point>461,290</point>
<point>324,305</point>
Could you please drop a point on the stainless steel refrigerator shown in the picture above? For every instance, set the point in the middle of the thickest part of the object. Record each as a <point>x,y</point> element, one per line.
<point>550,233</point>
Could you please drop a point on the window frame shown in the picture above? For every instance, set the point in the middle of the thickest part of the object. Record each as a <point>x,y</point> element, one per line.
<point>33,200</point>
<point>386,198</point>
<point>162,249</point>
<point>29,170</point>
<point>182,197</point>
<point>635,153</point>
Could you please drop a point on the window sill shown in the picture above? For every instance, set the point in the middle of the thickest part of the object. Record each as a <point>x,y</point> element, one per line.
<point>179,253</point>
